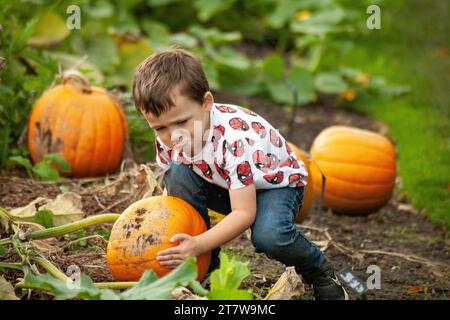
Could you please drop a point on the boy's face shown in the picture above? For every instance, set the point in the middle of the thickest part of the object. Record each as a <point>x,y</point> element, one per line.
<point>183,126</point>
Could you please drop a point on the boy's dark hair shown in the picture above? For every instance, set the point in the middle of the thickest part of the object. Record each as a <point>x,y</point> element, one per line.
<point>157,75</point>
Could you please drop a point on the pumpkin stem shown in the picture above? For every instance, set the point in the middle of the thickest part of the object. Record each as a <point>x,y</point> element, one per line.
<point>75,76</point>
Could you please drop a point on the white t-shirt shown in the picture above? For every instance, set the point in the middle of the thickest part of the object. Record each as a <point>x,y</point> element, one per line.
<point>241,148</point>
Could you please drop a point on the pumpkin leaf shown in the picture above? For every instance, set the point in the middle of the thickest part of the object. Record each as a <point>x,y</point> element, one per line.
<point>55,158</point>
<point>24,162</point>
<point>84,289</point>
<point>46,172</point>
<point>2,250</point>
<point>50,29</point>
<point>226,280</point>
<point>272,67</point>
<point>329,82</point>
<point>206,9</point>
<point>150,287</point>
<point>44,218</point>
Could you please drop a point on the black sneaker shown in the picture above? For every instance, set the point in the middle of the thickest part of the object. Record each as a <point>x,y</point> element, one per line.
<point>327,286</point>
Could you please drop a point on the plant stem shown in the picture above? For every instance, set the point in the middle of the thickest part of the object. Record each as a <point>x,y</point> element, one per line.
<point>50,268</point>
<point>15,266</point>
<point>5,241</point>
<point>74,226</point>
<point>115,285</point>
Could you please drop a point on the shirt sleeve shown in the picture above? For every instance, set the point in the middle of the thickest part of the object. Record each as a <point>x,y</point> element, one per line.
<point>235,165</point>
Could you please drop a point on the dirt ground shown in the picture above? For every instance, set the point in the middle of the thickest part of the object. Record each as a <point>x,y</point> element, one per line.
<point>399,234</point>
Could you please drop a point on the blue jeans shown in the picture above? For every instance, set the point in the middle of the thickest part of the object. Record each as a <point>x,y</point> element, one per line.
<point>273,232</point>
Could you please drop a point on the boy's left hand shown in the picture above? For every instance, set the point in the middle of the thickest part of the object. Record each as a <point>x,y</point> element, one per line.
<point>175,256</point>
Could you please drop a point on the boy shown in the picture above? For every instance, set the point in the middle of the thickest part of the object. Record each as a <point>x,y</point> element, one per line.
<point>231,160</point>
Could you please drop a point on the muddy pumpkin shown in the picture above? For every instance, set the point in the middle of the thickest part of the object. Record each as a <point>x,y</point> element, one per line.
<point>144,229</point>
<point>308,196</point>
<point>82,123</point>
<point>359,166</point>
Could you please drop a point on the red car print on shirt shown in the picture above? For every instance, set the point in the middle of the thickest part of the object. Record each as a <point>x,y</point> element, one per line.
<point>205,168</point>
<point>259,129</point>
<point>264,162</point>
<point>275,139</point>
<point>225,174</point>
<point>236,148</point>
<point>291,163</point>
<point>226,109</point>
<point>296,177</point>
<point>244,173</point>
<point>238,124</point>
<point>274,178</point>
<point>218,132</point>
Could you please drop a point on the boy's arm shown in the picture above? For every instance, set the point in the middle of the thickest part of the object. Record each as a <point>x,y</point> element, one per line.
<point>242,216</point>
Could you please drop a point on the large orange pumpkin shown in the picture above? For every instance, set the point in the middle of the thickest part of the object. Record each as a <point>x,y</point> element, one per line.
<point>83,124</point>
<point>308,196</point>
<point>359,166</point>
<point>144,229</point>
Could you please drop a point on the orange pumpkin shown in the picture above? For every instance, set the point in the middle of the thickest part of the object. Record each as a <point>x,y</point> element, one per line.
<point>308,197</point>
<point>83,124</point>
<point>359,166</point>
<point>144,229</point>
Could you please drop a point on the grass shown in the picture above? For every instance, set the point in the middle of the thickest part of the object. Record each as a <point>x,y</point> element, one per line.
<point>412,48</point>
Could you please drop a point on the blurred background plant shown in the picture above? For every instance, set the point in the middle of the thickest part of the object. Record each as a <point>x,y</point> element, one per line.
<point>114,37</point>
<point>294,53</point>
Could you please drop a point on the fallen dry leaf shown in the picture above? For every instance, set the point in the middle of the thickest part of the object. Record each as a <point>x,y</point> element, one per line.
<point>6,290</point>
<point>288,286</point>
<point>66,207</point>
<point>182,293</point>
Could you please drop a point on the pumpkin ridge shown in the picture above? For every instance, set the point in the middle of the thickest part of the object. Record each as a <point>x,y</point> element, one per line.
<point>323,149</point>
<point>357,164</point>
<point>361,184</point>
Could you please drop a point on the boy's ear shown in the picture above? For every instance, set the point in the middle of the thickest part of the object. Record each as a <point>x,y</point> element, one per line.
<point>208,101</point>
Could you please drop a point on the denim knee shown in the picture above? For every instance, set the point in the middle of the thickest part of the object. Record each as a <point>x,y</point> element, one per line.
<point>272,241</point>
<point>180,178</point>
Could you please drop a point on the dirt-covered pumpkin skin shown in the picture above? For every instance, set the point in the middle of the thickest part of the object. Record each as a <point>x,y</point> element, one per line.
<point>144,229</point>
<point>360,169</point>
<point>84,125</point>
<point>308,196</point>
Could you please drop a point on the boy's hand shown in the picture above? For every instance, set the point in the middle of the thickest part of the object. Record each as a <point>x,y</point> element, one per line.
<point>172,257</point>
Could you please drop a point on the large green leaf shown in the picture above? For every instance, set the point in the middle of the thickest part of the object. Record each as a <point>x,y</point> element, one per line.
<point>44,218</point>
<point>330,82</point>
<point>50,29</point>
<point>152,288</point>
<point>183,39</point>
<point>131,55</point>
<point>231,58</point>
<point>302,80</point>
<point>214,36</point>
<point>102,51</point>
<point>320,22</point>
<point>59,161</point>
<point>158,34</point>
<point>46,172</point>
<point>84,289</point>
<point>149,286</point>
<point>272,67</point>
<point>206,9</point>
<point>225,281</point>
